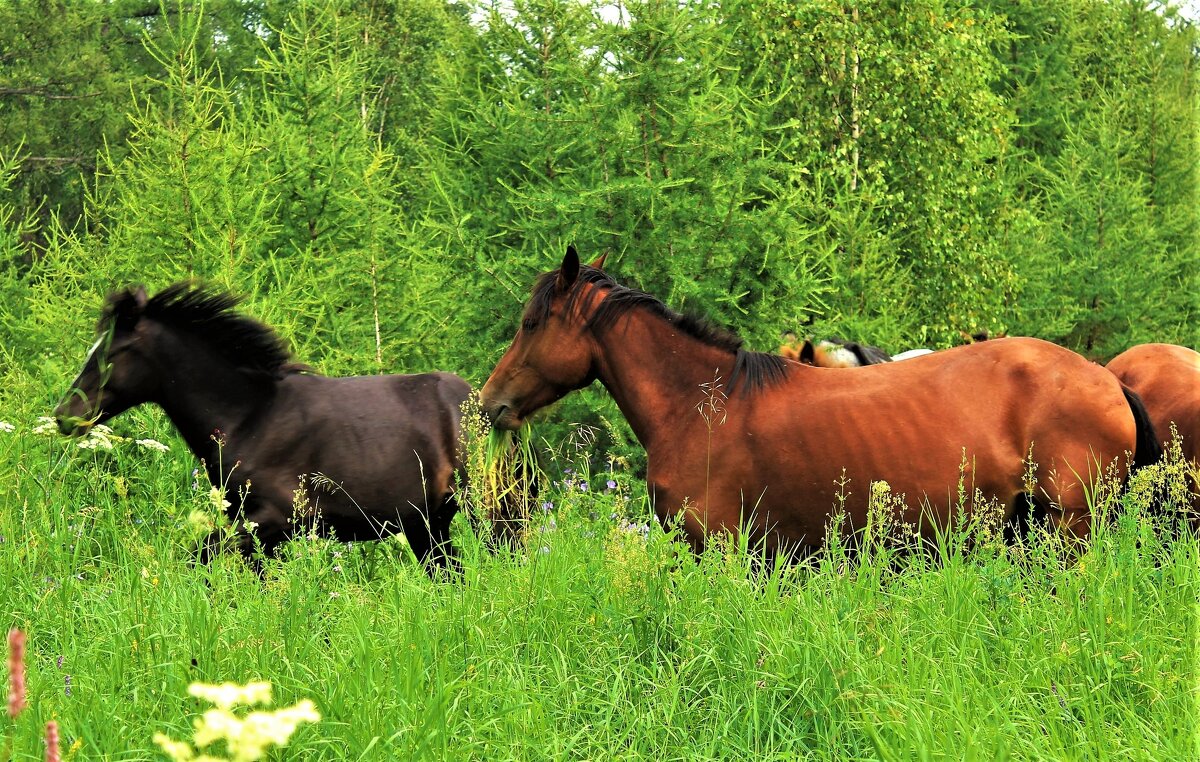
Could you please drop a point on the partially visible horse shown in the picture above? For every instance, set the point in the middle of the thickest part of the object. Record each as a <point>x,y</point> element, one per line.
<point>984,335</point>
<point>740,441</point>
<point>840,353</point>
<point>361,457</point>
<point>1167,377</point>
<point>909,354</point>
<point>832,352</point>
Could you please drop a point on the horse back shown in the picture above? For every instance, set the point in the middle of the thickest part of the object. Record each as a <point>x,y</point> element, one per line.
<point>972,412</point>
<point>387,440</point>
<point>1167,378</point>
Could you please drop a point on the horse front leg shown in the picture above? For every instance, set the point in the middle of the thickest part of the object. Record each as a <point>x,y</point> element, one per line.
<point>429,538</point>
<point>259,524</point>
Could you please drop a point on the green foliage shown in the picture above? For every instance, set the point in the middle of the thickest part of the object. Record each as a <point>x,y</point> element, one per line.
<point>71,71</point>
<point>901,179</point>
<point>1105,175</point>
<point>383,180</point>
<point>601,637</point>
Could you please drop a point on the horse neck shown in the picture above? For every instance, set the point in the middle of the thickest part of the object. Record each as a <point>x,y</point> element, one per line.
<point>657,374</point>
<point>205,395</point>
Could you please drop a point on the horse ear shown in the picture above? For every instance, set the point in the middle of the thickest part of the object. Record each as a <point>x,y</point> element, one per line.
<point>598,263</point>
<point>569,270</point>
<point>127,306</point>
<point>808,353</point>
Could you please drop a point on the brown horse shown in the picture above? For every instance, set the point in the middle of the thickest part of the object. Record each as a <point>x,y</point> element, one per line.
<point>746,441</point>
<point>361,457</point>
<point>1167,377</point>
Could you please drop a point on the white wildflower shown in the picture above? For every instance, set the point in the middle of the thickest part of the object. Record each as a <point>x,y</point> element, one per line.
<point>176,750</point>
<point>245,738</point>
<point>229,695</point>
<point>99,437</point>
<point>7,427</point>
<point>153,444</point>
<point>200,522</point>
<point>46,425</point>
<point>216,496</point>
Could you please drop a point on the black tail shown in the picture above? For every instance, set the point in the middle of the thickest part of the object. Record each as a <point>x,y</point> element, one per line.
<point>1146,450</point>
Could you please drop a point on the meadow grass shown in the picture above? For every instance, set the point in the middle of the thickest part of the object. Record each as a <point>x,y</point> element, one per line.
<point>601,638</point>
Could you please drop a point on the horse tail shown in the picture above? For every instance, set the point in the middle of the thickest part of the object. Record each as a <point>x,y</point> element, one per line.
<point>1146,449</point>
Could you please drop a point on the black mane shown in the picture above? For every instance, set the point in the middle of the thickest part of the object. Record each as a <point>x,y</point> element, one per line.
<point>187,306</point>
<point>757,369</point>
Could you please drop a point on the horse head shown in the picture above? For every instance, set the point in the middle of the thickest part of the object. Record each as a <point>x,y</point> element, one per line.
<point>553,350</point>
<point>115,376</point>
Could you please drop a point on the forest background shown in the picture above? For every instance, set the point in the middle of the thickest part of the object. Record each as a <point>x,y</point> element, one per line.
<point>384,179</point>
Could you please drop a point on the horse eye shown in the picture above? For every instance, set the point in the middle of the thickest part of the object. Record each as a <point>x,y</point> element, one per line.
<point>528,324</point>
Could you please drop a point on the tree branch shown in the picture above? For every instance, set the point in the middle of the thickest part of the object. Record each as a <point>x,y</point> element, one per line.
<point>42,91</point>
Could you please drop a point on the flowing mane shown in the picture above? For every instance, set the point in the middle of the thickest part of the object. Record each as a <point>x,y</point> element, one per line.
<point>756,369</point>
<point>208,314</point>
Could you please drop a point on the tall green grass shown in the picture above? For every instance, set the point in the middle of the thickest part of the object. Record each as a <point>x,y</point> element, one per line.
<point>600,637</point>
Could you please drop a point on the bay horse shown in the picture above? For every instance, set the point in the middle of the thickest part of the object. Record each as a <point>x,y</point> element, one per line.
<point>361,457</point>
<point>741,441</point>
<point>1167,378</point>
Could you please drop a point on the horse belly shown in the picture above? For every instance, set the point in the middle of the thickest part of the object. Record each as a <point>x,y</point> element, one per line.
<point>924,476</point>
<point>359,477</point>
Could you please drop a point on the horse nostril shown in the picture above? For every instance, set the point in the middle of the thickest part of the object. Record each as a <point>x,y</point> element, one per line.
<point>497,412</point>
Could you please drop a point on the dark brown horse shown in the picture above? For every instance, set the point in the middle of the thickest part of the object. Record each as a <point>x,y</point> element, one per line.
<point>1167,377</point>
<point>361,457</point>
<point>746,441</point>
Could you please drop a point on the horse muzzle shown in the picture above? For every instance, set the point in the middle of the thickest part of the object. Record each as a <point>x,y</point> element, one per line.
<point>502,416</point>
<point>70,422</point>
<point>73,425</point>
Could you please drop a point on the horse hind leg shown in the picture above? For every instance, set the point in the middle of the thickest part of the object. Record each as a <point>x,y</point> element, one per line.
<point>1071,520</point>
<point>1028,512</point>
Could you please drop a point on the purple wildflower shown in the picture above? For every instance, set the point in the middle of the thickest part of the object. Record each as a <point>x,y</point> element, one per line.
<point>583,486</point>
<point>610,485</point>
